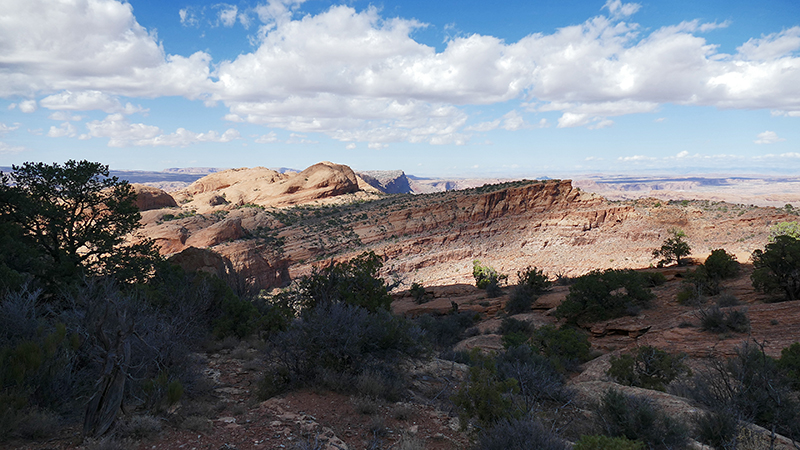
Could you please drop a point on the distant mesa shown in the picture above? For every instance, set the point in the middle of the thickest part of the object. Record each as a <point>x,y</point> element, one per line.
<point>387,181</point>
<point>194,170</point>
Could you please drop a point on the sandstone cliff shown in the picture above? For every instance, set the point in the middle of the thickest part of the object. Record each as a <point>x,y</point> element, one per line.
<point>265,187</point>
<point>148,197</point>
<point>434,238</point>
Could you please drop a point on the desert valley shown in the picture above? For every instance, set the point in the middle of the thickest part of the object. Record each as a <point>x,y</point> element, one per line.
<point>263,231</point>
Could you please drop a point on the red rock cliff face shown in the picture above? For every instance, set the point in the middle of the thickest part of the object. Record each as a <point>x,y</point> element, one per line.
<point>434,238</point>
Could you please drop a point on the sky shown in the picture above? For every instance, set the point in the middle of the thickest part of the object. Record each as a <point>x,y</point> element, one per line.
<point>435,88</point>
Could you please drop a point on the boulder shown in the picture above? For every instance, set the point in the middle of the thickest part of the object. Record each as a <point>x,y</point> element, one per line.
<point>224,231</point>
<point>193,259</point>
<point>148,197</point>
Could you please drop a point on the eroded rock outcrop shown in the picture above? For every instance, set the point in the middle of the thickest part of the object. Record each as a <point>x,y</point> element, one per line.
<point>268,188</point>
<point>547,224</point>
<point>148,198</point>
<point>193,259</point>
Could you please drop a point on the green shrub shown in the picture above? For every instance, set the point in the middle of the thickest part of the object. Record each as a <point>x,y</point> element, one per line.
<point>534,279</point>
<point>515,332</point>
<point>649,368</point>
<point>174,391</point>
<point>789,363</point>
<point>444,331</point>
<point>485,275</point>
<point>690,296</point>
<point>37,365</point>
<point>236,317</point>
<point>537,379</point>
<point>161,391</point>
<point>721,265</point>
<point>605,295</point>
<point>519,434</point>
<point>208,300</point>
<point>637,418</point>
<point>701,284</point>
<point>531,283</point>
<point>565,347</point>
<point>418,292</point>
<point>601,442</point>
<point>717,321</point>
<point>654,279</point>
<point>355,282</point>
<point>485,396</point>
<point>776,268</point>
<point>737,321</point>
<point>726,300</point>
<point>791,229</point>
<point>706,279</point>
<point>719,429</point>
<point>750,387</point>
<point>510,325</point>
<point>673,249</point>
<point>493,290</point>
<point>339,340</point>
<point>520,300</point>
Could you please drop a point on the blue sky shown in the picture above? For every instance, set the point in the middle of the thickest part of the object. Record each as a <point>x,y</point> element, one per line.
<point>444,88</point>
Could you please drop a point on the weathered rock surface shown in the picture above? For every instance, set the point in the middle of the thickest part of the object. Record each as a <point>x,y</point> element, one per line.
<point>434,238</point>
<point>223,231</point>
<point>268,188</point>
<point>148,197</point>
<point>194,259</point>
<point>257,263</point>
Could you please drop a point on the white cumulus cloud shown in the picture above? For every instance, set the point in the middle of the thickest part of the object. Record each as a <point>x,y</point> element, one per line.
<point>7,149</point>
<point>66,129</point>
<point>84,45</point>
<point>768,137</point>
<point>267,138</point>
<point>6,128</point>
<point>636,158</point>
<point>28,106</point>
<point>358,76</point>
<point>63,116</point>
<point>121,133</point>
<point>617,8</point>
<point>188,17</point>
<point>227,14</point>
<point>88,101</point>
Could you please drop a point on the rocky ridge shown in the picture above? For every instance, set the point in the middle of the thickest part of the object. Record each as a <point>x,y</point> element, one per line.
<point>243,215</point>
